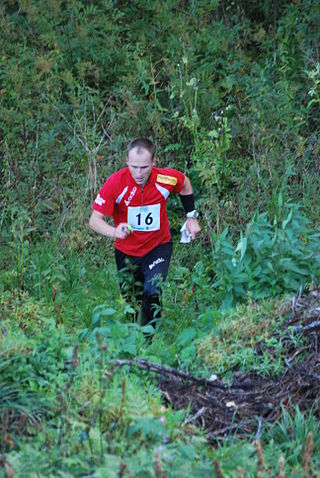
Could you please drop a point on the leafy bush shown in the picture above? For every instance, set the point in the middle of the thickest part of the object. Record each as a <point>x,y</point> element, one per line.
<point>229,92</point>
<point>271,257</point>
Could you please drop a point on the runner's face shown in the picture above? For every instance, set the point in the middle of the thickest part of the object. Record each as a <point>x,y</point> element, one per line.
<point>140,165</point>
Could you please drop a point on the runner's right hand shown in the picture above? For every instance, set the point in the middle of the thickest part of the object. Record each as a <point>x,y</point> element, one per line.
<point>122,230</point>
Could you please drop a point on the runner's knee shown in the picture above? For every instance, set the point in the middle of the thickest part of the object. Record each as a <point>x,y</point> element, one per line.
<point>152,287</point>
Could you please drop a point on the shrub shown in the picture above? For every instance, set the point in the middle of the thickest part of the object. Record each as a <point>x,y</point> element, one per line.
<point>269,259</point>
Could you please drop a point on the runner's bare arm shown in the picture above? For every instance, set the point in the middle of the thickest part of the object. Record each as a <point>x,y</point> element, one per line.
<point>98,224</point>
<point>187,188</point>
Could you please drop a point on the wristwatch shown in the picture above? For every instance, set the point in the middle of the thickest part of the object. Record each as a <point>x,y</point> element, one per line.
<point>192,214</point>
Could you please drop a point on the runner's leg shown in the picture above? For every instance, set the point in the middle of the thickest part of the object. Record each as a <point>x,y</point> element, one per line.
<point>155,268</point>
<point>131,277</point>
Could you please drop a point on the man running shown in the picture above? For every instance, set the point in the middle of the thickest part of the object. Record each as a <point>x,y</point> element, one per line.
<point>136,197</point>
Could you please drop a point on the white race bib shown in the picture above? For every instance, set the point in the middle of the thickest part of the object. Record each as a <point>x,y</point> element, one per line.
<point>144,218</point>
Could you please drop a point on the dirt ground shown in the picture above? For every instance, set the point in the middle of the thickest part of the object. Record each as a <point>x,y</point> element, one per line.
<point>241,405</point>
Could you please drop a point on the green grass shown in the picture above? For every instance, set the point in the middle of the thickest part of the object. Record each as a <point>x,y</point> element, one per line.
<point>78,81</point>
<point>233,339</point>
<point>81,413</point>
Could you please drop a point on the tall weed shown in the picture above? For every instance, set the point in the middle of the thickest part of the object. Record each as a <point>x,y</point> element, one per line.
<point>271,257</point>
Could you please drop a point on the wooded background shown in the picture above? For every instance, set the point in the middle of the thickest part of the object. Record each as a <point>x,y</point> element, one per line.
<point>229,91</point>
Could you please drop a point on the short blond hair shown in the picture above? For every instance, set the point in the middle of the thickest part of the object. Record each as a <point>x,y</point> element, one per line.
<point>143,143</point>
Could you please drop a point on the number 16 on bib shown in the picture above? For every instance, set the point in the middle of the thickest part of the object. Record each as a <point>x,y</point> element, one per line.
<point>144,218</point>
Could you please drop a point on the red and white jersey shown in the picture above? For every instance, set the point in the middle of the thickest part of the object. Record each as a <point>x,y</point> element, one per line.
<point>144,208</point>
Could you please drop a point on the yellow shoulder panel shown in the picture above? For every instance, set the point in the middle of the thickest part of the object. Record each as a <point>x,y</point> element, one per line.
<point>161,178</point>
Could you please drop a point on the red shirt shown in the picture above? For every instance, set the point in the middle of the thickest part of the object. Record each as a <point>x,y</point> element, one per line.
<point>142,207</point>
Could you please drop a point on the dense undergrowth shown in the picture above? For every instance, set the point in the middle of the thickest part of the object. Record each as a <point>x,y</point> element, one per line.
<point>229,92</point>
<point>66,410</point>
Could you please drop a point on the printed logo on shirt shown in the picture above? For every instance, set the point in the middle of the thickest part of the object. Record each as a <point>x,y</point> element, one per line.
<point>99,200</point>
<point>161,178</point>
<point>131,196</point>
<point>156,262</point>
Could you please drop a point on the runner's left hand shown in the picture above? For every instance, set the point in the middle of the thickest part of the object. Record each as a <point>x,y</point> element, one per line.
<point>193,227</point>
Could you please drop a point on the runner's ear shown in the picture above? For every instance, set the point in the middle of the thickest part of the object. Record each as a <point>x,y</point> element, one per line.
<point>154,161</point>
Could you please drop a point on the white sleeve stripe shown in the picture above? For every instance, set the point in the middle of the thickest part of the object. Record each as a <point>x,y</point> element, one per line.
<point>119,198</point>
<point>99,200</point>
<point>165,193</point>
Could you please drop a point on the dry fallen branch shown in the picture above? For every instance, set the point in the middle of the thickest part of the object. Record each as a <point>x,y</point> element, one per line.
<point>194,417</point>
<point>154,367</point>
<point>306,328</point>
<point>234,408</point>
